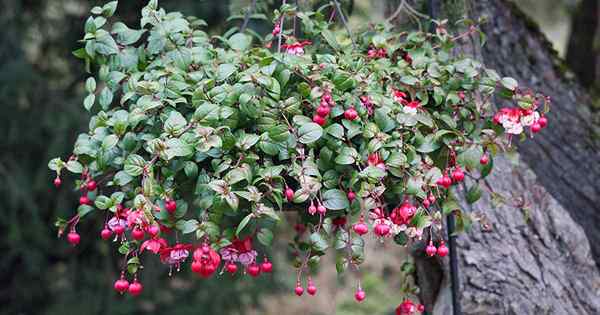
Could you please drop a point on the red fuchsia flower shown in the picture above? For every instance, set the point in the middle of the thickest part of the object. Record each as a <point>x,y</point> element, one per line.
<point>406,308</point>
<point>154,245</point>
<point>366,102</point>
<point>403,214</point>
<point>411,107</point>
<point>374,159</point>
<point>407,58</point>
<point>514,119</point>
<point>240,251</point>
<point>297,48</point>
<point>175,255</point>
<point>399,96</point>
<point>374,53</point>
<point>339,221</point>
<point>206,261</point>
<point>135,217</point>
<point>117,224</point>
<point>276,30</point>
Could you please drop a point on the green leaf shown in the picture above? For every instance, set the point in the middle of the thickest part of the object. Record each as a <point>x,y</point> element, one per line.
<point>449,205</point>
<point>109,9</point>
<point>125,35</point>
<point>401,239</point>
<point>318,242</point>
<point>82,210</point>
<point>177,147</point>
<point>103,202</point>
<point>175,124</point>
<point>106,98</point>
<point>187,226</point>
<point>134,165</point>
<point>373,172</point>
<point>473,194</point>
<point>265,237</point>
<point>239,41</point>
<point>122,178</point>
<point>109,142</point>
<point>190,169</point>
<point>124,248</point>
<point>330,39</point>
<point>408,80</point>
<point>225,71</point>
<point>74,167</point>
<point>105,44</point>
<point>347,155</point>
<point>309,133</point>
<point>509,83</point>
<point>336,130</point>
<point>335,199</point>
<point>90,85</point>
<point>243,223</point>
<point>232,200</point>
<point>88,102</point>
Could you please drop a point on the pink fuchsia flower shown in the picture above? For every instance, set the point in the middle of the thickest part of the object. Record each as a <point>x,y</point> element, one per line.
<point>374,159</point>
<point>529,118</point>
<point>399,96</point>
<point>175,255</point>
<point>366,102</point>
<point>240,251</point>
<point>135,217</point>
<point>154,245</point>
<point>514,119</point>
<point>297,48</point>
<point>411,107</point>
<point>116,222</point>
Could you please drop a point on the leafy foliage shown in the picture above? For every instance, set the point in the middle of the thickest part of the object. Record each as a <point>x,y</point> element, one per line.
<point>210,137</point>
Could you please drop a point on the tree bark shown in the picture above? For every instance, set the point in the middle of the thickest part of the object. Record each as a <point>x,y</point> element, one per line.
<point>582,51</point>
<point>539,261</point>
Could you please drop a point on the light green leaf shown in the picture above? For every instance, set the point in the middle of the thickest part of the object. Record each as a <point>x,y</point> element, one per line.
<point>239,41</point>
<point>74,167</point>
<point>134,165</point>
<point>309,133</point>
<point>335,199</point>
<point>109,142</point>
<point>225,70</point>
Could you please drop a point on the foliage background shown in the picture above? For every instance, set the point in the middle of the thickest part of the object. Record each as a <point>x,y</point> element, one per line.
<point>41,91</point>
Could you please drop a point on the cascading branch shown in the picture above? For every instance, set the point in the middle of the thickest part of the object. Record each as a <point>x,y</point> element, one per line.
<point>197,142</point>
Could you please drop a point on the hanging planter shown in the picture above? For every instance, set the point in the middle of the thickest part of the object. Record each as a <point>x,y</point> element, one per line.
<point>197,142</point>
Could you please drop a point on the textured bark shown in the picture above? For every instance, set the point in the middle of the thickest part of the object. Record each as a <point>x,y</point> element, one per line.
<point>582,52</point>
<point>535,264</point>
<point>544,265</point>
<point>565,156</point>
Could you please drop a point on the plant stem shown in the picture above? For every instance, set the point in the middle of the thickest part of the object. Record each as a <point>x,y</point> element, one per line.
<point>251,8</point>
<point>343,18</point>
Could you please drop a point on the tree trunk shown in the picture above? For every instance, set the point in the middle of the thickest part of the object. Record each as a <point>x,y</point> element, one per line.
<point>583,51</point>
<point>537,261</point>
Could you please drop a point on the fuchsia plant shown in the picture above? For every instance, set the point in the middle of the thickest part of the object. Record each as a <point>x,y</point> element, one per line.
<point>197,142</point>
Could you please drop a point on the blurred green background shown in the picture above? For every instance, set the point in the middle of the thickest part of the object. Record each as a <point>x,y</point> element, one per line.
<point>41,112</point>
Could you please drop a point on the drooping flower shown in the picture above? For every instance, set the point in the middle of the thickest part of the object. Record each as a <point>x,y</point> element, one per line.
<point>240,251</point>
<point>399,96</point>
<point>296,48</point>
<point>116,222</point>
<point>411,107</point>
<point>154,245</point>
<point>175,255</point>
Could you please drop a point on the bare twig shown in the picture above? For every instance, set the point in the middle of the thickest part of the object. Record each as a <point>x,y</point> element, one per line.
<point>397,12</point>
<point>343,18</point>
<point>251,8</point>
